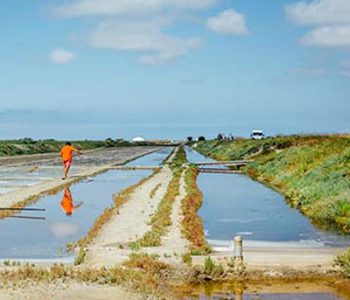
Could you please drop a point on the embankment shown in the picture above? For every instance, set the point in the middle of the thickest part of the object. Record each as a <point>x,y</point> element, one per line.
<point>313,172</point>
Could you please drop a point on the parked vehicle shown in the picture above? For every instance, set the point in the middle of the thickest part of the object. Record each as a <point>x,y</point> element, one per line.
<point>257,135</point>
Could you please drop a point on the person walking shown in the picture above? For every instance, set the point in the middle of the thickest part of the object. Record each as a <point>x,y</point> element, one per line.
<point>67,157</point>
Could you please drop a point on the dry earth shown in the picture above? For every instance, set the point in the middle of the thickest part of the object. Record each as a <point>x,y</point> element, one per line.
<point>72,290</point>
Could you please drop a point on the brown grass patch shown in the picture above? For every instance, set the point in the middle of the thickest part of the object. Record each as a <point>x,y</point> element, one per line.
<point>192,225</point>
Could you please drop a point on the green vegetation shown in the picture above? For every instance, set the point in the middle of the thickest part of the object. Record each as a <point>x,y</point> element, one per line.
<point>187,259</point>
<point>192,226</point>
<point>80,257</point>
<point>179,159</point>
<point>212,269</point>
<point>343,261</point>
<point>30,146</point>
<point>161,220</point>
<point>313,172</point>
<point>154,190</point>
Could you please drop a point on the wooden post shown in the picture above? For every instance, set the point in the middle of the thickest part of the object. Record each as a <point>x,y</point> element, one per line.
<point>238,249</point>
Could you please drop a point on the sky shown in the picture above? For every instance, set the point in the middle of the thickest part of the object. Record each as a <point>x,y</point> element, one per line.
<point>73,69</point>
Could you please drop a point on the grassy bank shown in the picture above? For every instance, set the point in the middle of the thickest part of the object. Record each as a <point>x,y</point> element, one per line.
<point>29,146</point>
<point>313,172</point>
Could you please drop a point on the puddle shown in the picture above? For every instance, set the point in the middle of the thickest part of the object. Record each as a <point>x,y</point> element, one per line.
<point>312,296</point>
<point>264,291</point>
<point>236,205</point>
<point>68,215</point>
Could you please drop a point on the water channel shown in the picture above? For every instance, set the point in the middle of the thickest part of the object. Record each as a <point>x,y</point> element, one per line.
<point>69,214</point>
<point>236,205</point>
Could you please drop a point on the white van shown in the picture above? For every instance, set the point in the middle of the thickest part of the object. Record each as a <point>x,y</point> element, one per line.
<point>257,135</point>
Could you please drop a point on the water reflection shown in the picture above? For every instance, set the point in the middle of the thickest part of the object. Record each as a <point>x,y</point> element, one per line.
<point>235,204</point>
<point>64,230</point>
<point>269,291</point>
<point>67,218</point>
<point>307,296</point>
<point>67,203</point>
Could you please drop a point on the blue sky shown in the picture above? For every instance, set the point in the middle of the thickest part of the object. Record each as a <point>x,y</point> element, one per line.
<point>119,68</point>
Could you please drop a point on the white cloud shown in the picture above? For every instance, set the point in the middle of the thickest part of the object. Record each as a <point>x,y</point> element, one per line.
<point>320,12</point>
<point>61,56</point>
<point>64,230</point>
<point>344,67</point>
<point>328,36</point>
<point>313,72</point>
<point>331,19</point>
<point>143,37</point>
<point>126,7</point>
<point>344,64</point>
<point>228,22</point>
<point>344,73</point>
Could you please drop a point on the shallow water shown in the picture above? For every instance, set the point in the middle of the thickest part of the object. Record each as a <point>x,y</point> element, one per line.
<point>235,204</point>
<point>154,159</point>
<point>308,296</point>
<point>264,290</point>
<point>47,239</point>
<point>44,239</point>
<point>15,178</point>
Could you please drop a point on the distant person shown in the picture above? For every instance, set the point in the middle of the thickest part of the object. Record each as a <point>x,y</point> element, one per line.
<point>67,157</point>
<point>67,203</point>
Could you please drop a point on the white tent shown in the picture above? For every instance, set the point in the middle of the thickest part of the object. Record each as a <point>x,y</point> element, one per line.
<point>138,139</point>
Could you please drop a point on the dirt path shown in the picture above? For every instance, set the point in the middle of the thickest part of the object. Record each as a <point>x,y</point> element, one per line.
<point>281,261</point>
<point>64,291</point>
<point>174,245</point>
<point>131,222</point>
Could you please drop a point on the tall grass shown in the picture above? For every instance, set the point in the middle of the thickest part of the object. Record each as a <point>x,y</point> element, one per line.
<point>313,172</point>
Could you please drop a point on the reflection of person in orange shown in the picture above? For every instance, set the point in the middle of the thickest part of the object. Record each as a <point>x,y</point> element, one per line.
<point>67,203</point>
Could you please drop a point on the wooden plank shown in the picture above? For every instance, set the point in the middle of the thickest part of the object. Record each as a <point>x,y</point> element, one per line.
<point>231,163</point>
<point>219,171</point>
